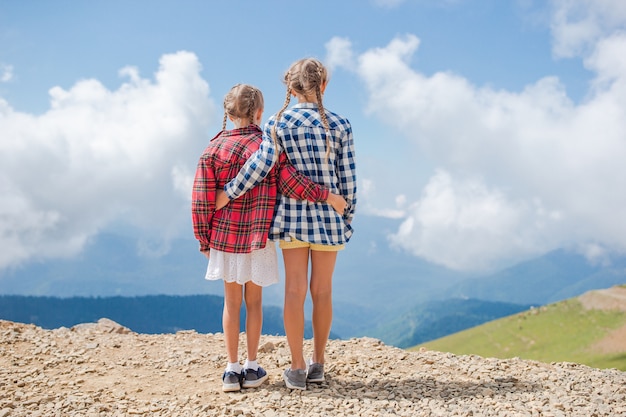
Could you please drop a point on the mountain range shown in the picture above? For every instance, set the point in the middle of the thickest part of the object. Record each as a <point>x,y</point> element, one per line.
<point>374,283</point>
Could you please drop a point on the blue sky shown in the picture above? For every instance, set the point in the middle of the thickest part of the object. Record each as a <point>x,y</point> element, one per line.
<point>493,129</point>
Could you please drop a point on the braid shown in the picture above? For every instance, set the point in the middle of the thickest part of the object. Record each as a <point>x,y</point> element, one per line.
<point>228,104</point>
<point>318,93</point>
<point>279,115</point>
<point>250,112</point>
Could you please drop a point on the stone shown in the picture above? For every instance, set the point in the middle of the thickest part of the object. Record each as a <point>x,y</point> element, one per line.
<point>105,369</point>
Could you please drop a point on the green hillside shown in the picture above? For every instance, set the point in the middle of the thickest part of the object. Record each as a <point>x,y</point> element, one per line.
<point>559,332</point>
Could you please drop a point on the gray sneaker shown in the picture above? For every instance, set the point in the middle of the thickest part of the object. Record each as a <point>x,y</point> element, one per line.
<point>295,379</point>
<point>316,373</point>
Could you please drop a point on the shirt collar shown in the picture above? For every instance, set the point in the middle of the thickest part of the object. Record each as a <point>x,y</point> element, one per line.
<point>243,130</point>
<point>308,105</point>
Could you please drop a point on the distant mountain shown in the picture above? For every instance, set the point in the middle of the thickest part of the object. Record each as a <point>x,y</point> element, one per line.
<point>372,273</point>
<point>436,319</point>
<point>203,313</point>
<point>151,314</point>
<point>371,277</point>
<point>374,283</point>
<point>588,329</point>
<point>552,277</point>
<point>111,265</point>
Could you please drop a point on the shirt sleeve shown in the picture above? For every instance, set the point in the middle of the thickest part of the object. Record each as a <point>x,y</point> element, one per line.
<point>256,168</point>
<point>203,198</point>
<point>346,172</point>
<point>294,184</point>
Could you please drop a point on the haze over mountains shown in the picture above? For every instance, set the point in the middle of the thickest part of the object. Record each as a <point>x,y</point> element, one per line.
<point>374,283</point>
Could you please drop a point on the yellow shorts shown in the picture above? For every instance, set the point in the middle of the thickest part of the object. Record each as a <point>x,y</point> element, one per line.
<point>295,244</point>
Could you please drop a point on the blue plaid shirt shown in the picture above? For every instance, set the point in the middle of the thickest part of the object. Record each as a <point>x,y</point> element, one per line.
<point>302,137</point>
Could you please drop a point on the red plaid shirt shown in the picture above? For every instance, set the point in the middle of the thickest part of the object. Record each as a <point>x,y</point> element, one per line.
<point>243,225</point>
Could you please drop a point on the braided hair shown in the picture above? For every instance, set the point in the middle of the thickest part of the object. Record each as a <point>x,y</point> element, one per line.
<point>305,77</point>
<point>242,102</point>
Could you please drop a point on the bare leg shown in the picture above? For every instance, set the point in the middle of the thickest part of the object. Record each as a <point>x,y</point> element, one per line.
<point>296,279</point>
<point>230,319</point>
<point>322,267</point>
<point>254,317</point>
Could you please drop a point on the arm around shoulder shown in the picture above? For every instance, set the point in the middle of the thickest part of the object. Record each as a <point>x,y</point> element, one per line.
<point>256,168</point>
<point>294,184</point>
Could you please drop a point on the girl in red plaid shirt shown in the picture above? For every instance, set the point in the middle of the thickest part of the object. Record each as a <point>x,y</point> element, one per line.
<point>234,238</point>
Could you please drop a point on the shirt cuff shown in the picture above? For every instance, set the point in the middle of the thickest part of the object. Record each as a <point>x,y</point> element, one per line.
<point>324,195</point>
<point>230,191</point>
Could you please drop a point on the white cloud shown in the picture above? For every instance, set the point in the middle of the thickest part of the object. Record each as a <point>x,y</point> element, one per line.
<point>6,73</point>
<point>520,172</point>
<point>368,195</point>
<point>339,53</point>
<point>466,226</point>
<point>608,61</point>
<point>98,156</point>
<point>577,25</point>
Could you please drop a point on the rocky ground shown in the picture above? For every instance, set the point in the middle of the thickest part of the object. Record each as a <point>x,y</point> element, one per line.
<point>103,369</point>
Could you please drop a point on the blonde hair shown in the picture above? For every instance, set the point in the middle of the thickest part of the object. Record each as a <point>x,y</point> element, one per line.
<point>305,77</point>
<point>241,102</point>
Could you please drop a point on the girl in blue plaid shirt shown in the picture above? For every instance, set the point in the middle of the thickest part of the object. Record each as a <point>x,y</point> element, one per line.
<point>319,144</point>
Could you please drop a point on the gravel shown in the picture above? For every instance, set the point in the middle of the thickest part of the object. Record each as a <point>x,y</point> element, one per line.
<point>104,369</point>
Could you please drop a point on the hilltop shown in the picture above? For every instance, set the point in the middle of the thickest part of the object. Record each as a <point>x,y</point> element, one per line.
<point>588,329</point>
<point>103,368</point>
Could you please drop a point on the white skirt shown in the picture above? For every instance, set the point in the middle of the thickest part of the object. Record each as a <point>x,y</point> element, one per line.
<point>259,266</point>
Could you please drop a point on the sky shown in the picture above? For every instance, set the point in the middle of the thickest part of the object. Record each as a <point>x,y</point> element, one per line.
<point>493,130</point>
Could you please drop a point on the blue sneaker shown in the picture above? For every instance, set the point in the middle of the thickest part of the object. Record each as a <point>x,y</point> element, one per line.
<point>231,381</point>
<point>252,378</point>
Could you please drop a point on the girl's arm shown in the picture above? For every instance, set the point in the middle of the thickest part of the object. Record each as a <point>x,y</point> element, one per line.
<point>294,184</point>
<point>254,170</point>
<point>203,202</point>
<point>346,173</point>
